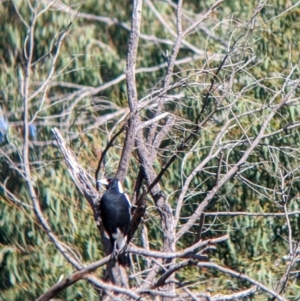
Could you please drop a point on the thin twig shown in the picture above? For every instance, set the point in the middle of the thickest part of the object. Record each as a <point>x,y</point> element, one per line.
<point>239,275</point>
<point>102,158</point>
<point>243,159</point>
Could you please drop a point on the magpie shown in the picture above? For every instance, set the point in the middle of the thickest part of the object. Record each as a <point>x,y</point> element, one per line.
<point>115,214</point>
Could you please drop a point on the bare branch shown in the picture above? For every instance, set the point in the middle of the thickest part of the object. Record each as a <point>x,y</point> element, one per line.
<point>109,144</point>
<point>64,283</point>
<point>186,253</point>
<point>240,276</point>
<point>25,156</point>
<point>234,296</point>
<point>12,197</point>
<point>266,214</point>
<point>235,168</point>
<point>162,280</point>
<point>77,173</point>
<point>204,17</point>
<point>131,90</point>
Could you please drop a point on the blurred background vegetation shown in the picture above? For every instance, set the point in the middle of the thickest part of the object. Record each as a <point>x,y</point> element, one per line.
<point>86,99</point>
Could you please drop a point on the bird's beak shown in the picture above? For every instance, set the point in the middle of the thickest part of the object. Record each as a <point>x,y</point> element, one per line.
<point>103,182</point>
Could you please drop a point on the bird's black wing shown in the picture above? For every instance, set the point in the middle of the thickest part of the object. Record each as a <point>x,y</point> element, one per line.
<point>115,212</point>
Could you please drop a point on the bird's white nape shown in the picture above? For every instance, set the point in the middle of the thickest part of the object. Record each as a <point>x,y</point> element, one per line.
<point>120,187</point>
<point>128,200</point>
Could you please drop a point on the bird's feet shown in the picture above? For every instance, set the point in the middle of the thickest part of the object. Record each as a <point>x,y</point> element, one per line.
<point>115,253</point>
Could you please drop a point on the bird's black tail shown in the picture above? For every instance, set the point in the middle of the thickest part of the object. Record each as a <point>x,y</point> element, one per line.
<point>124,259</point>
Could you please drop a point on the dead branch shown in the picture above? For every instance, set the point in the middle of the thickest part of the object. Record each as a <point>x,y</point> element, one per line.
<point>186,253</point>
<point>64,283</point>
<point>102,158</point>
<point>235,168</point>
<point>194,131</point>
<point>77,173</point>
<point>240,276</point>
<point>82,182</point>
<point>134,119</point>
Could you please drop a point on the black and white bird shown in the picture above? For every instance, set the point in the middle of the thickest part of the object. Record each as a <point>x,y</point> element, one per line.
<point>115,214</point>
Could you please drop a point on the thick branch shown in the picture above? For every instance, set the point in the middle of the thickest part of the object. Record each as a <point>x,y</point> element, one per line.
<point>77,173</point>
<point>131,90</point>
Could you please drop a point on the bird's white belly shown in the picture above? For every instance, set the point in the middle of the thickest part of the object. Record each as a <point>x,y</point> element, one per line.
<point>120,239</point>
